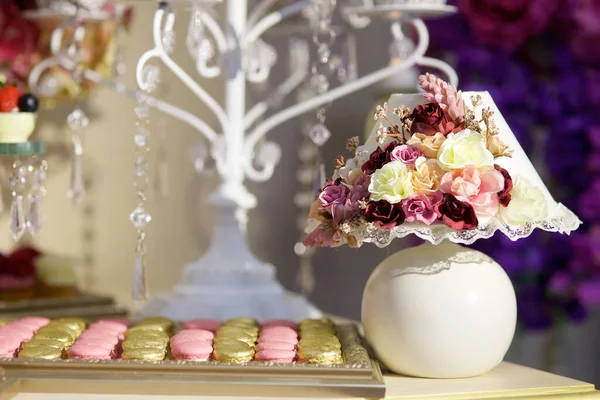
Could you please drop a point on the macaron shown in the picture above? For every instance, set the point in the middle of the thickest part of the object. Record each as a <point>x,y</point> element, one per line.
<point>233,353</point>
<point>115,326</point>
<point>131,344</point>
<point>38,322</point>
<point>196,350</point>
<point>9,346</point>
<point>144,355</point>
<point>121,321</point>
<point>112,339</point>
<point>107,342</point>
<point>279,356</point>
<point>84,351</point>
<point>207,324</point>
<point>20,332</point>
<point>280,331</point>
<point>274,346</point>
<point>41,353</point>
<point>279,322</point>
<point>43,343</point>
<point>277,338</point>
<point>197,333</point>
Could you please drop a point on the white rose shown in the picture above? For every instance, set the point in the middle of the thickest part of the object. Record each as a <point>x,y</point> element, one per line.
<point>462,149</point>
<point>393,182</point>
<point>527,204</point>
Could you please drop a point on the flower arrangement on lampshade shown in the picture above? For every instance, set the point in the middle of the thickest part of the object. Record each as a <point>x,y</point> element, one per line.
<point>438,173</point>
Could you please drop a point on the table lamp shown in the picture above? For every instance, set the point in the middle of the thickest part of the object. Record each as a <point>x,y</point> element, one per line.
<point>445,166</point>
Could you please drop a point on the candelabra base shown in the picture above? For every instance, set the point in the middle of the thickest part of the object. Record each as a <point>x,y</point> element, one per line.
<point>229,281</point>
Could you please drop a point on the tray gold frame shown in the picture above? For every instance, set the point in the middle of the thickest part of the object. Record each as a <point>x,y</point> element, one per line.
<point>359,376</point>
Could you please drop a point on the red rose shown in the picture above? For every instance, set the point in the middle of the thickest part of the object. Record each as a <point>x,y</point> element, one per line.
<point>377,159</point>
<point>504,196</point>
<point>456,214</point>
<point>430,119</point>
<point>384,214</point>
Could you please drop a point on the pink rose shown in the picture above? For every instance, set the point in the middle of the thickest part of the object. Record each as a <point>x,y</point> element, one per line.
<point>334,194</point>
<point>18,40</point>
<point>405,154</point>
<point>507,23</point>
<point>422,208</point>
<point>479,189</point>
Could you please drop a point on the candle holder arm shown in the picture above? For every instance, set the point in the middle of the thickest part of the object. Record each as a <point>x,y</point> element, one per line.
<point>261,130</point>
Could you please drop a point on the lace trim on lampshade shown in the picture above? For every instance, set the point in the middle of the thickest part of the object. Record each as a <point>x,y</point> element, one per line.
<point>565,221</point>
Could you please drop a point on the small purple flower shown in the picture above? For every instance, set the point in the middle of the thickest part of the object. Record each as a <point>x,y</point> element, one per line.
<point>406,154</point>
<point>360,190</point>
<point>332,195</point>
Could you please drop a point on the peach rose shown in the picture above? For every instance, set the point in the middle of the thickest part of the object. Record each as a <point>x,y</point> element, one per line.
<point>429,145</point>
<point>478,188</point>
<point>426,176</point>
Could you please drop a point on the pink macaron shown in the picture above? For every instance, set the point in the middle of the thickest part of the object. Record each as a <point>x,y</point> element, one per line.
<point>197,333</point>
<point>113,339</point>
<point>107,343</point>
<point>36,322</point>
<point>207,324</point>
<point>89,352</point>
<point>279,330</point>
<point>275,346</point>
<point>114,326</point>
<point>198,350</point>
<point>9,346</point>
<point>107,329</point>
<point>121,321</point>
<point>279,322</point>
<point>20,332</point>
<point>279,356</point>
<point>278,336</point>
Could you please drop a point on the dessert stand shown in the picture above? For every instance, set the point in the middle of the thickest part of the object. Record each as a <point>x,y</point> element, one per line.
<point>237,146</point>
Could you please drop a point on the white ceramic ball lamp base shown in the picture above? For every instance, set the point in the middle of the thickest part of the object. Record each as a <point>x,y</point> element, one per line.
<point>439,312</point>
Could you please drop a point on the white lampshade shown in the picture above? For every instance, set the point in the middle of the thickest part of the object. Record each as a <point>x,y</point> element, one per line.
<point>558,217</point>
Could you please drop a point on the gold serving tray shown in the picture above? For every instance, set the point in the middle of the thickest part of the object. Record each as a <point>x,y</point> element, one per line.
<point>359,376</point>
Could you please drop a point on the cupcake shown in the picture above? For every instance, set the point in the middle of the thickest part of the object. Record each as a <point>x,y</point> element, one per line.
<point>17,275</point>
<point>55,276</point>
<point>17,114</point>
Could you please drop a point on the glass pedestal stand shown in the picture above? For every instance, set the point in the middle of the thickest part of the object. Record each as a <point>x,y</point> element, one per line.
<point>228,281</point>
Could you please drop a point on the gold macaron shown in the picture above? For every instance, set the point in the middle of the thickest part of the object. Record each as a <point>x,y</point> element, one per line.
<point>58,329</point>
<point>36,342</point>
<point>233,352</point>
<point>76,324</point>
<point>140,343</point>
<point>144,355</point>
<point>56,335</point>
<point>320,355</point>
<point>41,353</point>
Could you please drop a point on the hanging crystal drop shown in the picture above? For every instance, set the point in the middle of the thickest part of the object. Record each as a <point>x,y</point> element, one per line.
<point>319,134</point>
<point>140,217</point>
<point>77,186</point>
<point>306,276</point>
<point>77,120</point>
<point>142,111</point>
<point>17,218</point>
<point>34,217</point>
<point>141,137</point>
<point>139,289</point>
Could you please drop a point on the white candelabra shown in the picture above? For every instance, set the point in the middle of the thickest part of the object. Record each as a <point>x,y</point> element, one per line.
<point>229,280</point>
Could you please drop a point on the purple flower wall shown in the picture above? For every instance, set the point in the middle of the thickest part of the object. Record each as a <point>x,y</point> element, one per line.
<point>540,60</point>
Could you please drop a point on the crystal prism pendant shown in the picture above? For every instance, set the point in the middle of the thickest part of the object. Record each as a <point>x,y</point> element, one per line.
<point>319,134</point>
<point>140,217</point>
<point>34,217</point>
<point>17,218</point>
<point>77,120</point>
<point>139,290</point>
<point>77,187</point>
